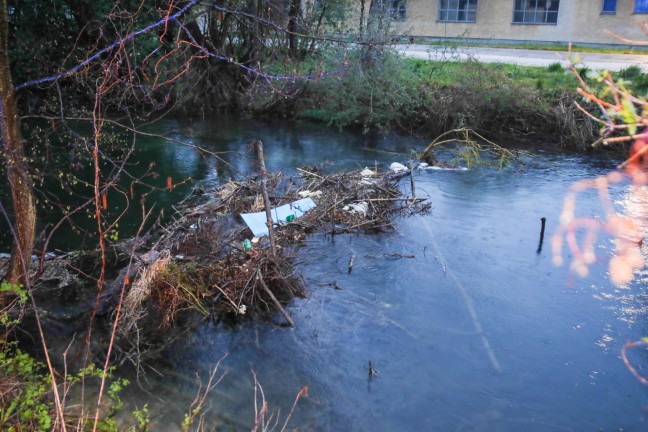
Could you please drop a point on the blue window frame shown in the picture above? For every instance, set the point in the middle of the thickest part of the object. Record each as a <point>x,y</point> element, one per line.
<point>641,6</point>
<point>536,11</point>
<point>458,10</point>
<point>609,6</point>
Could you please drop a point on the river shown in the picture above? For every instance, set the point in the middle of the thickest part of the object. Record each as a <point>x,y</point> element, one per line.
<point>468,326</point>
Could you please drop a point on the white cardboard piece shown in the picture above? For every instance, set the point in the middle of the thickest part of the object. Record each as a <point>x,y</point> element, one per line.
<point>257,221</point>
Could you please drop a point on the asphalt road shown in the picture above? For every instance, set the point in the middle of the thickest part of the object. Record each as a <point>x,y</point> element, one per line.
<point>524,57</point>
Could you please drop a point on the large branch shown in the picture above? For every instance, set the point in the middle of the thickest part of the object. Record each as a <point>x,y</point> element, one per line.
<point>118,43</point>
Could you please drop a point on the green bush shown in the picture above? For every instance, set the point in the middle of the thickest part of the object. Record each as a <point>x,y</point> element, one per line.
<point>373,91</point>
<point>634,79</point>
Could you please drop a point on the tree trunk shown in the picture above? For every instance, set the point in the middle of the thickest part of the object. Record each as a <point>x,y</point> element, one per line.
<point>18,177</point>
<point>293,27</point>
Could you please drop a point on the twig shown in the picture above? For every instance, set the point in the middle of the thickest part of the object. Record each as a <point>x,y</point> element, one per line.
<point>266,200</point>
<point>393,199</point>
<point>274,300</point>
<point>624,356</point>
<point>309,173</point>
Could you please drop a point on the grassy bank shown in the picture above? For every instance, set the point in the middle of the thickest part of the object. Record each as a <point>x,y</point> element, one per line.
<point>379,91</point>
<point>537,46</point>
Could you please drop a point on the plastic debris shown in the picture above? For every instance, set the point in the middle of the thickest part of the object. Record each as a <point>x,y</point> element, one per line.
<point>310,194</point>
<point>398,167</point>
<point>358,208</point>
<point>367,172</point>
<point>247,245</point>
<point>257,221</point>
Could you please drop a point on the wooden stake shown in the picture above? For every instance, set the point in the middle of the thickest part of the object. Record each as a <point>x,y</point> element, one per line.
<point>411,172</point>
<point>543,220</point>
<point>264,192</point>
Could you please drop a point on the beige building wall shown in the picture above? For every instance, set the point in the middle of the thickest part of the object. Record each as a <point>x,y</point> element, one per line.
<point>579,21</point>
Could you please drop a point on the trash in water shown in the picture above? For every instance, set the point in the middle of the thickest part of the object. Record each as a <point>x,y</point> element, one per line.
<point>308,194</point>
<point>257,221</point>
<point>359,208</point>
<point>367,172</point>
<point>398,167</point>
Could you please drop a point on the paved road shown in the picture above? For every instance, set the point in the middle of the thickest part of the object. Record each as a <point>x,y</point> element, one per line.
<point>594,61</point>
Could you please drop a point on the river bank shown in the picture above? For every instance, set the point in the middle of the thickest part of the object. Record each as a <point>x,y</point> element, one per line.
<point>378,91</point>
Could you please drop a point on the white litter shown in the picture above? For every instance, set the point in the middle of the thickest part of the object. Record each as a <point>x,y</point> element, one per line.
<point>358,208</point>
<point>257,221</point>
<point>367,172</point>
<point>398,167</point>
<point>310,194</point>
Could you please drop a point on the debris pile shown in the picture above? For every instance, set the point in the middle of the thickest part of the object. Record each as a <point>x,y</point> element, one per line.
<point>209,259</point>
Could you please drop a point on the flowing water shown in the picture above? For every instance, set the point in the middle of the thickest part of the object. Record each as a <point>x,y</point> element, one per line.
<point>469,326</point>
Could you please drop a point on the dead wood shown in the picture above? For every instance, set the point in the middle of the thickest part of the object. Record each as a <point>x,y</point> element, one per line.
<point>199,264</point>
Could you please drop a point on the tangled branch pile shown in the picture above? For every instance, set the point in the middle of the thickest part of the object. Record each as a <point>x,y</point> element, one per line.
<point>201,263</point>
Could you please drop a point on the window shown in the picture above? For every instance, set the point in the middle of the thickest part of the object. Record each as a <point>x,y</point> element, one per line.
<point>641,6</point>
<point>536,11</point>
<point>458,10</point>
<point>394,9</point>
<point>609,6</point>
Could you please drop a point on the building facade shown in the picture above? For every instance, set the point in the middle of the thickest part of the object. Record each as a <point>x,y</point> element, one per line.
<point>563,21</point>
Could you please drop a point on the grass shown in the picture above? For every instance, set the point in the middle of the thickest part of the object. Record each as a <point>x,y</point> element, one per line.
<point>538,47</point>
<point>549,81</point>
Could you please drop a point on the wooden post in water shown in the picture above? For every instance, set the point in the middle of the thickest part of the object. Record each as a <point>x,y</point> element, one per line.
<point>411,168</point>
<point>264,192</point>
<point>543,220</point>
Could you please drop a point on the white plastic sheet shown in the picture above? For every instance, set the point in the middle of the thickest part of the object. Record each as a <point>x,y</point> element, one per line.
<point>257,221</point>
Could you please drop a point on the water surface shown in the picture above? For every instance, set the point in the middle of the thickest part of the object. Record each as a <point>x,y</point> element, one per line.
<point>477,332</point>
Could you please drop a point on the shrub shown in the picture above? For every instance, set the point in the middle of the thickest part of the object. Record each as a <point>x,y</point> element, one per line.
<point>374,91</point>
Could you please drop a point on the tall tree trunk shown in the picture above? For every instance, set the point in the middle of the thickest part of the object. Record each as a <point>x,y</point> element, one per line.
<point>293,26</point>
<point>17,174</point>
